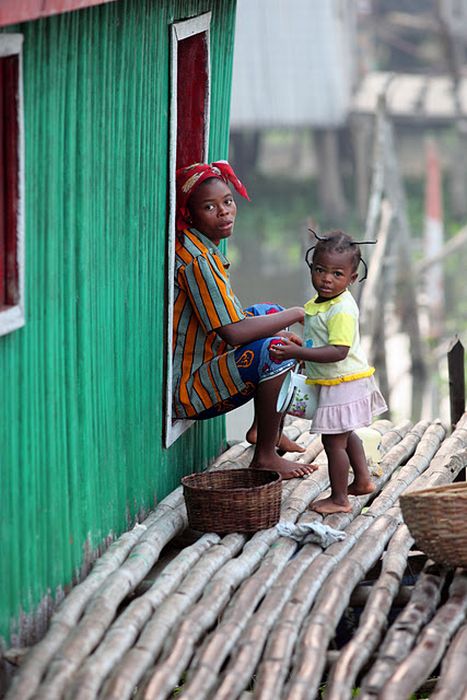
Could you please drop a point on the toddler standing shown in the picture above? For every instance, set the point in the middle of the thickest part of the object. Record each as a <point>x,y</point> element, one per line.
<point>335,362</point>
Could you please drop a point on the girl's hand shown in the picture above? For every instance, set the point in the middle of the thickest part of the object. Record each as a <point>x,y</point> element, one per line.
<point>292,336</point>
<point>284,350</point>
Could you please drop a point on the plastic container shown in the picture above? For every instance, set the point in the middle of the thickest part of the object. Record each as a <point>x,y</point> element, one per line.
<point>296,397</point>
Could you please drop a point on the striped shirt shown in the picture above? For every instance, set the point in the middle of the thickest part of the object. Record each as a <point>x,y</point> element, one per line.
<point>204,369</point>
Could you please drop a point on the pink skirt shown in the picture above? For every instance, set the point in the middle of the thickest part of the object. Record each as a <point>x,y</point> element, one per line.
<point>347,406</point>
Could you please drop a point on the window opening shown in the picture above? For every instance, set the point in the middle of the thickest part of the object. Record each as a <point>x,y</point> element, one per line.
<point>11,200</point>
<point>189,137</point>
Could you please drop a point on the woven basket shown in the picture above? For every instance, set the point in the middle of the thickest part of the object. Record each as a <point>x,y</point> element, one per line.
<point>436,518</point>
<point>233,500</point>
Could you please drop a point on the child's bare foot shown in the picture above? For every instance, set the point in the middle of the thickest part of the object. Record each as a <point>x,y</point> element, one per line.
<point>327,506</point>
<point>361,488</point>
<point>288,470</point>
<point>284,443</point>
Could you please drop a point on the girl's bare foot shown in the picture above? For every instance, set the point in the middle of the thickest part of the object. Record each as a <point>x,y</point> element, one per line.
<point>284,443</point>
<point>361,488</point>
<point>288,470</point>
<point>327,506</point>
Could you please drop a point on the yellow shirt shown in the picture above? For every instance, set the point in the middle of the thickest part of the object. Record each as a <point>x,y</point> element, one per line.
<point>335,322</point>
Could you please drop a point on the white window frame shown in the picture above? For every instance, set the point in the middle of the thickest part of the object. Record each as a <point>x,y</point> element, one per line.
<point>180,31</point>
<point>13,317</point>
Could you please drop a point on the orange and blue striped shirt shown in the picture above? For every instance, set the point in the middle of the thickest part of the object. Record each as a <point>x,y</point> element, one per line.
<point>204,369</point>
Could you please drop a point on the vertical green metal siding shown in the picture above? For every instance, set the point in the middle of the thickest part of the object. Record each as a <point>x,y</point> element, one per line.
<point>81,413</point>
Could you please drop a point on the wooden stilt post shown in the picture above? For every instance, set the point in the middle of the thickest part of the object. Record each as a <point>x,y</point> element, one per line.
<point>456,380</point>
<point>456,387</point>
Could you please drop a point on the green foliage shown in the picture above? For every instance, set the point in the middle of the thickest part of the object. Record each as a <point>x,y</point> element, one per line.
<point>179,688</point>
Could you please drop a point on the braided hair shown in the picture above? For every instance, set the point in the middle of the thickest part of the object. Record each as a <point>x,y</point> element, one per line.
<point>339,242</point>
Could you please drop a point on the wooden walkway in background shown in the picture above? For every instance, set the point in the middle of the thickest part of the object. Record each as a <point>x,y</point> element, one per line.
<point>166,613</point>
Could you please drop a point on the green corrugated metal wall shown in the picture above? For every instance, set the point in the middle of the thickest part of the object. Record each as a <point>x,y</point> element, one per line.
<point>82,384</point>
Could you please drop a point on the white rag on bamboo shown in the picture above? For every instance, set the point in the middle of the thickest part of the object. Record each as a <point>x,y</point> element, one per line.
<point>310,532</point>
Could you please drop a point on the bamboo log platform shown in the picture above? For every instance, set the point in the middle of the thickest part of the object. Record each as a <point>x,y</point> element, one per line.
<point>166,612</point>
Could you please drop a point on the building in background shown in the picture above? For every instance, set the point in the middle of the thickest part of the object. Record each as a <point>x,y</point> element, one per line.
<point>294,64</point>
<point>294,68</point>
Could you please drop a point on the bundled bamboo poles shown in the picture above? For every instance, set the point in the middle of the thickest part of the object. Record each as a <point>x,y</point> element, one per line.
<point>426,447</point>
<point>169,669</point>
<point>209,660</point>
<point>167,520</point>
<point>374,619</point>
<point>205,670</point>
<point>252,641</point>
<point>226,610</point>
<point>123,633</point>
<point>249,647</point>
<point>248,650</point>
<point>333,598</point>
<point>319,629</point>
<point>401,637</point>
<point>138,659</point>
<point>431,644</point>
<point>215,598</point>
<point>133,665</point>
<point>102,608</point>
<point>420,461</point>
<point>169,515</point>
<point>65,619</point>
<point>274,666</point>
<point>451,457</point>
<point>452,683</point>
<point>447,463</point>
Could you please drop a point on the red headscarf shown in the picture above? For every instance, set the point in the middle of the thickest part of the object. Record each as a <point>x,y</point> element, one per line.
<point>191,177</point>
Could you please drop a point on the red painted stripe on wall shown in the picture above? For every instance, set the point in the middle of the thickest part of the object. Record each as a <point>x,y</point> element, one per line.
<point>13,11</point>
